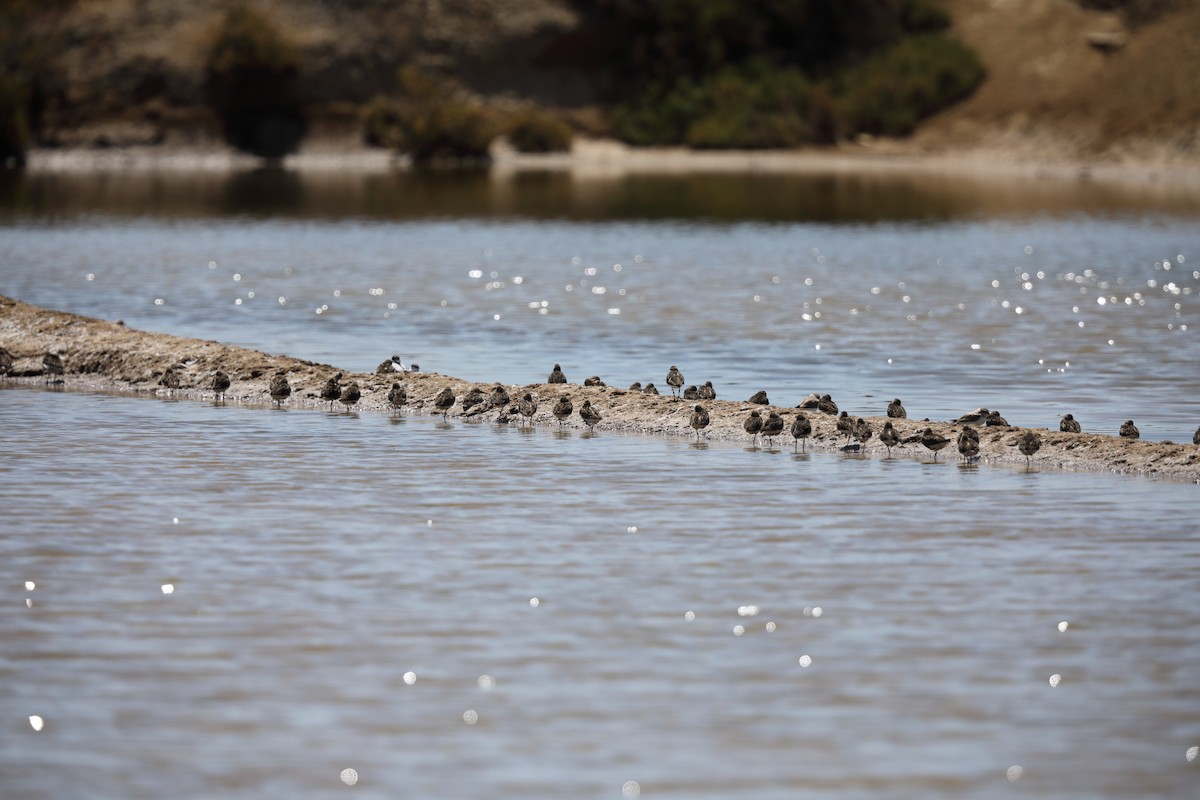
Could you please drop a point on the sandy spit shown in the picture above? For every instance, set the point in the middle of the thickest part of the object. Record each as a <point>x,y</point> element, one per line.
<point>109,356</point>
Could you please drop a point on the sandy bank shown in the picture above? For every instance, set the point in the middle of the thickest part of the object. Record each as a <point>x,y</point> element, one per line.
<point>108,356</point>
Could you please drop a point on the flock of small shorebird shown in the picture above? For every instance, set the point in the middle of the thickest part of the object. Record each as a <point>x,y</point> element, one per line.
<point>476,402</point>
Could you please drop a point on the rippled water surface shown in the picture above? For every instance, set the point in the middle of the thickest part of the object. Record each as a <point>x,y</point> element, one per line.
<point>224,601</point>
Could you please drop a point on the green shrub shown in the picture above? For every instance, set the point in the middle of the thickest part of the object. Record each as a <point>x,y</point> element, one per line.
<point>14,127</point>
<point>659,115</point>
<point>533,131</point>
<point>252,74</point>
<point>764,111</point>
<point>435,121</point>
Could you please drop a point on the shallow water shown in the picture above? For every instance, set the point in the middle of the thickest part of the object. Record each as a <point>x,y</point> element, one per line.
<point>341,584</point>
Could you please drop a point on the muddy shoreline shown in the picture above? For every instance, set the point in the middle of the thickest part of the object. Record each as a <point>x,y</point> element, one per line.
<point>108,356</point>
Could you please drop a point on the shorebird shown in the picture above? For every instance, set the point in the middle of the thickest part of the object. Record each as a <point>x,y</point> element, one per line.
<point>527,407</point>
<point>594,381</point>
<point>1069,424</point>
<point>500,397</point>
<point>691,393</point>
<point>933,441</point>
<point>826,406</point>
<point>812,401</point>
<point>170,379</point>
<point>845,425</point>
<point>350,395</point>
<point>649,388</point>
<point>759,398</point>
<point>1196,437</point>
<point>52,364</point>
<point>1030,443</point>
<point>753,424</point>
<point>699,419</point>
<point>332,390</point>
<point>590,415</point>
<point>397,397</point>
<point>398,366</point>
<point>556,375</point>
<point>219,385</point>
<point>1129,430</point>
<point>444,401</point>
<point>863,430</point>
<point>636,386</point>
<point>772,427</point>
<point>472,399</point>
<point>976,417</point>
<point>968,443</point>
<point>895,410</point>
<point>675,381</point>
<point>707,392</point>
<point>505,413</point>
<point>280,388</point>
<point>6,361</point>
<point>801,428</point>
<point>889,437</point>
<point>563,408</point>
<point>994,420</point>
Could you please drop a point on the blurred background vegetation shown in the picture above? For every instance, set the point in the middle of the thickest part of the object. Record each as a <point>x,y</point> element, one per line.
<point>442,79</point>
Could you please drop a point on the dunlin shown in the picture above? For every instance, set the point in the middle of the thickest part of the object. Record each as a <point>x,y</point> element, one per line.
<point>845,425</point>
<point>472,399</point>
<point>563,408</point>
<point>505,414</point>
<point>1029,444</point>
<point>636,386</point>
<point>976,417</point>
<point>1069,424</point>
<point>933,441</point>
<point>753,424</point>
<point>691,393</point>
<point>801,428</point>
<point>386,368</point>
<point>219,385</point>
<point>332,390</point>
<point>826,406</point>
<point>994,420</point>
<point>594,381</point>
<point>895,410</point>
<point>863,430</point>
<point>674,380</point>
<point>444,401</point>
<point>968,443</point>
<point>527,407</point>
<point>170,379</point>
<point>590,415</point>
<point>649,388</point>
<point>397,397</point>
<point>280,388</point>
<point>1129,430</point>
<point>556,375</point>
<point>759,398</point>
<point>500,397</point>
<point>707,392</point>
<point>350,395</point>
<point>52,364</point>
<point>772,427</point>
<point>812,401</point>
<point>699,419</point>
<point>889,437</point>
<point>6,361</point>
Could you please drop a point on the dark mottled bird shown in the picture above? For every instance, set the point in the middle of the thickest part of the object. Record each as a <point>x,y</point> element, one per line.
<point>527,407</point>
<point>707,392</point>
<point>889,437</point>
<point>863,431</point>
<point>895,410</point>
<point>397,397</point>
<point>845,425</point>
<point>386,368</point>
<point>52,364</point>
<point>332,390</point>
<point>826,406</point>
<point>753,424</point>
<point>933,441</point>
<point>444,401</point>
<point>472,399</point>
<point>1069,424</point>
<point>968,443</point>
<point>589,414</point>
<point>6,361</point>
<point>699,419</point>
<point>812,401</point>
<point>994,420</point>
<point>772,427</point>
<point>636,386</point>
<point>650,388</point>
<point>801,428</point>
<point>1029,444</point>
<point>1129,430</point>
<point>350,395</point>
<point>505,414</point>
<point>675,381</point>
<point>1196,437</point>
<point>691,393</point>
<point>219,385</point>
<point>563,408</point>
<point>280,388</point>
<point>500,397</point>
<point>594,381</point>
<point>170,379</point>
<point>556,375</point>
<point>976,417</point>
<point>759,398</point>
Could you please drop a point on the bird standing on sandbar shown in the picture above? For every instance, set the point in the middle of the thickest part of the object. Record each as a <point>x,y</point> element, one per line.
<point>500,397</point>
<point>556,375</point>
<point>350,395</point>
<point>1196,437</point>
<point>812,401</point>
<point>636,386</point>
<point>6,361</point>
<point>976,417</point>
<point>933,441</point>
<point>650,388</point>
<point>994,420</point>
<point>1129,430</point>
<point>675,381</point>
<point>472,398</point>
<point>52,364</point>
<point>170,379</point>
<point>332,391</point>
<point>968,443</point>
<point>527,407</point>
<point>753,425</point>
<point>219,385</point>
<point>759,398</point>
<point>594,380</point>
<point>707,392</point>
<point>699,419</point>
<point>444,401</point>
<point>826,406</point>
<point>1069,424</point>
<point>1029,444</point>
<point>772,427</point>
<point>563,408</point>
<point>590,415</point>
<point>691,393</point>
<point>280,388</point>
<point>801,429</point>
<point>397,397</point>
<point>889,437</point>
<point>864,431</point>
<point>895,410</point>
<point>845,425</point>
